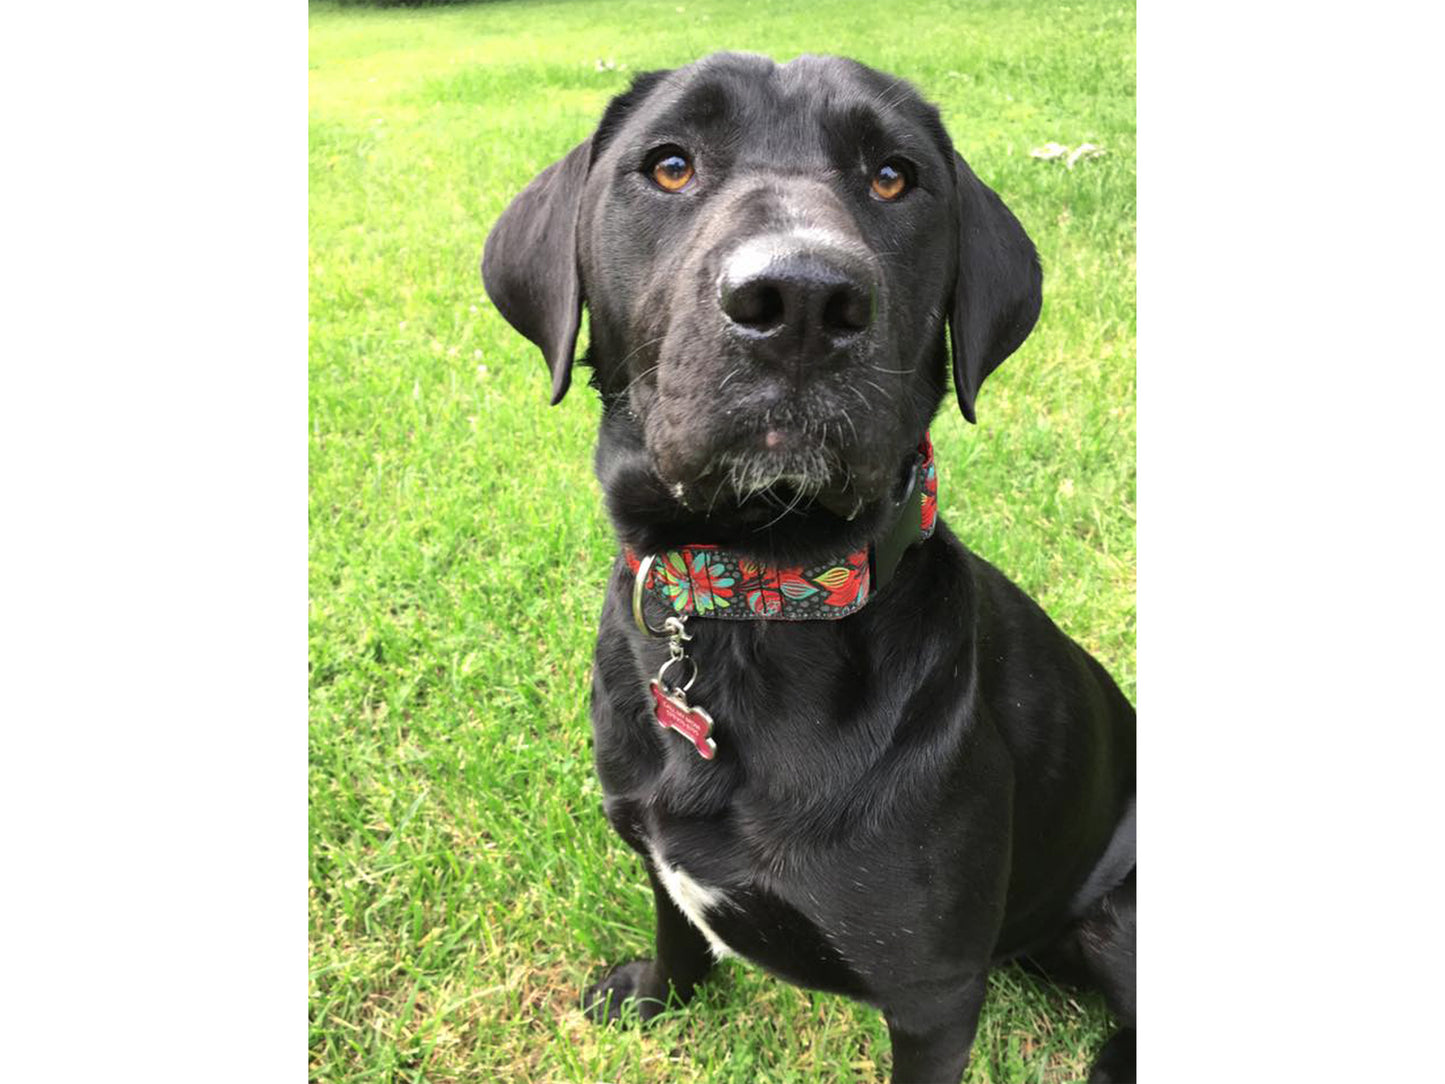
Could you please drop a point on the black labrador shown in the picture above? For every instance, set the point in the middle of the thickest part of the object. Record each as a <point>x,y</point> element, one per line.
<point>890,802</point>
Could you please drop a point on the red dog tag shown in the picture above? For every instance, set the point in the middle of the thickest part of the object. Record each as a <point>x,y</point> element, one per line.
<point>694,724</point>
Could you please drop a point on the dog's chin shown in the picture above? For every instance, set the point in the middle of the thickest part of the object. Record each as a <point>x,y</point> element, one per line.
<point>748,503</point>
<point>776,472</point>
<point>745,485</point>
<point>763,489</point>
<point>793,496</point>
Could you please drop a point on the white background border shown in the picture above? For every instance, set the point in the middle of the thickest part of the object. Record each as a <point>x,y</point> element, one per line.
<point>1290,551</point>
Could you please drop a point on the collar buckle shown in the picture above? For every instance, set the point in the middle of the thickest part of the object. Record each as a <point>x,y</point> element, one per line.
<point>908,510</point>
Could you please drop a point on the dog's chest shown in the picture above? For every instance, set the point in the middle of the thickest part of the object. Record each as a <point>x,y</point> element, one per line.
<point>734,842</point>
<point>761,926</point>
<point>776,918</point>
<point>694,899</point>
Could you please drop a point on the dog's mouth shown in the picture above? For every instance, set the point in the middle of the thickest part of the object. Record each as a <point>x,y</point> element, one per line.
<point>772,456</point>
<point>786,497</point>
<point>764,480</point>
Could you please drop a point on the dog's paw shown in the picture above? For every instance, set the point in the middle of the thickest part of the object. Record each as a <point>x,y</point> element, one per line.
<point>626,988</point>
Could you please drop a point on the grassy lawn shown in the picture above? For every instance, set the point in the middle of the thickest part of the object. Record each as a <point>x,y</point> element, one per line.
<point>463,881</point>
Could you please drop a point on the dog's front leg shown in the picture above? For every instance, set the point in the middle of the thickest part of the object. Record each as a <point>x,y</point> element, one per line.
<point>932,1037</point>
<point>683,960</point>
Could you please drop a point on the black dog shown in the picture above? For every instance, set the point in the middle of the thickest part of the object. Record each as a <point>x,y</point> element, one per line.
<point>892,802</point>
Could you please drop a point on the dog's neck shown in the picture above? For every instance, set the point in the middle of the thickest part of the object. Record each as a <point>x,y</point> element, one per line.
<point>742,577</point>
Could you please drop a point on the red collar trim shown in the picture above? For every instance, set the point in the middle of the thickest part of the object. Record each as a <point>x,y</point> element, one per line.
<point>709,581</point>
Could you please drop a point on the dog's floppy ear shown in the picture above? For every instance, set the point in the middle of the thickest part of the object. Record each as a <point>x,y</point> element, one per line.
<point>999,288</point>
<point>529,264</point>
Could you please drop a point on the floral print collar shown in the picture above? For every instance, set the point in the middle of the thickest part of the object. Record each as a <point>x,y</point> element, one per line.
<point>709,581</point>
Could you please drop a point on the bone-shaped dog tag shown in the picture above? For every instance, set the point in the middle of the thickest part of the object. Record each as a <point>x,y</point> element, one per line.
<point>694,724</point>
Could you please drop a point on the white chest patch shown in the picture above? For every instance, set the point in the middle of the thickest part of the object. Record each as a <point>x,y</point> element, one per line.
<point>694,900</point>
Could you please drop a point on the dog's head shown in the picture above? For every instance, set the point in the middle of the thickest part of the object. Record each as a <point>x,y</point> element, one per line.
<point>769,255</point>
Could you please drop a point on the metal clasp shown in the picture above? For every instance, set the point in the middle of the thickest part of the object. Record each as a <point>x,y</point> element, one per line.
<point>674,628</point>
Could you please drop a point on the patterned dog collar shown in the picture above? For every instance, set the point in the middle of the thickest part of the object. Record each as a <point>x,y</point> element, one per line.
<point>709,581</point>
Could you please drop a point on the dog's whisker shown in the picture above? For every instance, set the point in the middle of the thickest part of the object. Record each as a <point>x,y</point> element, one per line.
<point>797,499</point>
<point>879,97</point>
<point>879,388</point>
<point>640,376</point>
<point>645,372</point>
<point>639,348</point>
<point>716,491</point>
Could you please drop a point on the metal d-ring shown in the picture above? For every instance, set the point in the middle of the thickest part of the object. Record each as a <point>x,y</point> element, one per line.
<point>644,569</point>
<point>673,626</point>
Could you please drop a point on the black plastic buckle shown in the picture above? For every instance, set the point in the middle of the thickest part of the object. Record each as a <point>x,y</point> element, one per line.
<point>907,529</point>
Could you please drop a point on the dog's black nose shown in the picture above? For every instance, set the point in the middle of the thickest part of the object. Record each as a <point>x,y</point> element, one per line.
<point>805,301</point>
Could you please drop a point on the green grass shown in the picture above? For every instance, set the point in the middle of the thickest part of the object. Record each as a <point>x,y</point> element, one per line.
<point>463,881</point>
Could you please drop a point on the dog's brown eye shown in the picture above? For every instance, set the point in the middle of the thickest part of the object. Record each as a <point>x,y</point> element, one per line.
<point>672,171</point>
<point>889,182</point>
